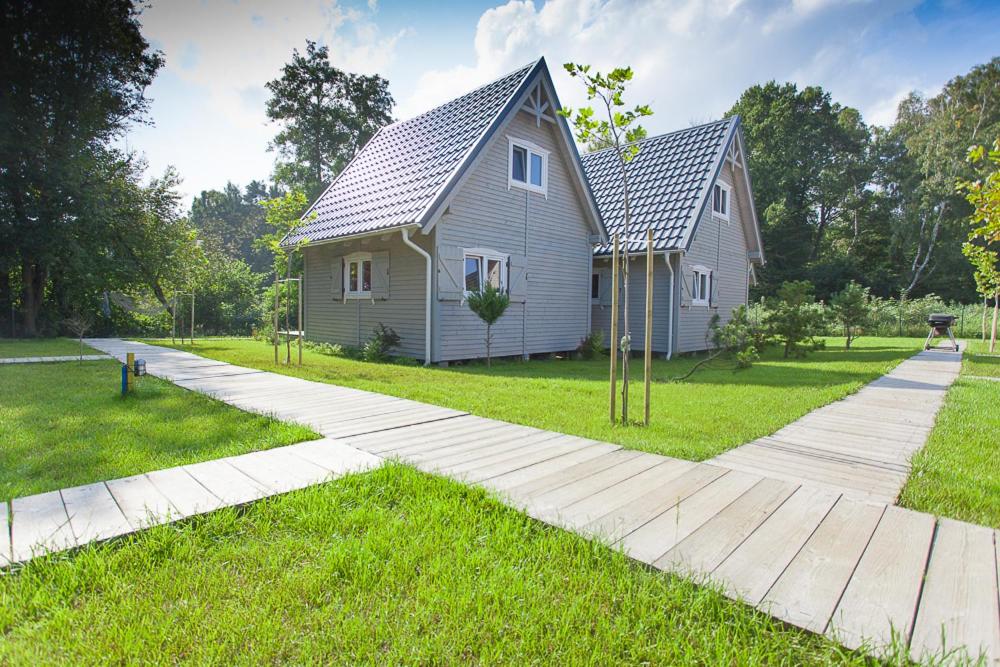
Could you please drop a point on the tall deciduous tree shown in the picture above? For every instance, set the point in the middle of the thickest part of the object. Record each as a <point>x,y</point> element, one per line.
<point>983,246</point>
<point>327,116</point>
<point>614,125</point>
<point>231,219</point>
<point>72,75</point>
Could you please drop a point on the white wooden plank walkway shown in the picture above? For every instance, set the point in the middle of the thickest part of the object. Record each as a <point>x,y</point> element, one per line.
<point>45,360</point>
<point>816,555</point>
<point>860,445</point>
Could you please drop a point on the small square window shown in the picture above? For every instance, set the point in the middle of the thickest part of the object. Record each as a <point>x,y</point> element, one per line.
<point>485,267</point>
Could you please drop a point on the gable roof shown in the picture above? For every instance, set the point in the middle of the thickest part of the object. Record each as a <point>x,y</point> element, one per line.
<point>669,183</point>
<point>408,168</point>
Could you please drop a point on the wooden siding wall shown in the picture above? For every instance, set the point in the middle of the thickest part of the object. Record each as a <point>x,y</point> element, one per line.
<point>550,231</point>
<point>721,247</point>
<point>601,312</point>
<point>328,319</point>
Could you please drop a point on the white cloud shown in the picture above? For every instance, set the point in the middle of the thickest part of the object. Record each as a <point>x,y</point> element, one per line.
<point>219,54</point>
<point>692,59</point>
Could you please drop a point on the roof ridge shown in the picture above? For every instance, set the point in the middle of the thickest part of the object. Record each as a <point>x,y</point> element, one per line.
<point>525,69</point>
<point>730,119</point>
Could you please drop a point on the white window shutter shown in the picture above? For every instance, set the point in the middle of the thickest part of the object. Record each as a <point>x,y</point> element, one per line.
<point>380,276</point>
<point>517,278</point>
<point>451,273</point>
<point>337,278</point>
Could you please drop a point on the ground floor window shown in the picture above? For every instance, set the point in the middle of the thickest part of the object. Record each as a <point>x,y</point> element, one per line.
<point>595,286</point>
<point>358,275</point>
<point>701,288</point>
<point>482,268</point>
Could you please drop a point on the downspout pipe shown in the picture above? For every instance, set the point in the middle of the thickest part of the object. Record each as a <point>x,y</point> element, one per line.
<point>670,311</point>
<point>427,296</point>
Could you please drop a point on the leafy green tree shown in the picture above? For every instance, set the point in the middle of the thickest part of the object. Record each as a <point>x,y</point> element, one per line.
<point>489,304</point>
<point>616,126</point>
<point>810,162</point>
<point>983,246</point>
<point>72,76</point>
<point>850,309</point>
<point>738,338</point>
<point>227,295</point>
<point>231,219</point>
<point>794,318</point>
<point>283,215</point>
<point>936,133</point>
<point>327,116</point>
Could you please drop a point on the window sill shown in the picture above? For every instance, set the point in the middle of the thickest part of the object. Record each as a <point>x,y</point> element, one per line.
<point>358,295</point>
<point>530,188</point>
<point>719,217</point>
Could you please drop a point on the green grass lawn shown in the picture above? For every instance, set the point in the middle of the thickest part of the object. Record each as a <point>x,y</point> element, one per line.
<point>42,347</point>
<point>389,567</point>
<point>66,424</point>
<point>697,419</point>
<point>977,359</point>
<point>956,474</point>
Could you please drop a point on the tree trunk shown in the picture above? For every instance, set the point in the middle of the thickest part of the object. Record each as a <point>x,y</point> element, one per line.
<point>983,323</point>
<point>33,278</point>
<point>993,329</point>
<point>489,358</point>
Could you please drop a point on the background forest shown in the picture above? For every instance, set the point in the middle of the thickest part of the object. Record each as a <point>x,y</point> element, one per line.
<point>88,234</point>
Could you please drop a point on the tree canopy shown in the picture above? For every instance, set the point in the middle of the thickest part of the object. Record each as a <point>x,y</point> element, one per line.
<point>326,116</point>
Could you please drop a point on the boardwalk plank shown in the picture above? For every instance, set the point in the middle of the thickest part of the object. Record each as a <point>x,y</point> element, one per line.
<point>621,521</point>
<point>229,484</point>
<point>141,502</point>
<point>39,525</point>
<point>93,513</point>
<point>336,457</point>
<point>184,492</point>
<point>959,599</point>
<point>750,571</point>
<point>532,473</point>
<point>807,593</point>
<point>280,471</point>
<point>695,500</point>
<point>703,550</point>
<point>881,598</point>
<point>548,450</point>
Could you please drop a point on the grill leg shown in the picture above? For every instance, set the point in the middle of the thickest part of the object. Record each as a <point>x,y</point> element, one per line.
<point>952,337</point>
<point>927,343</point>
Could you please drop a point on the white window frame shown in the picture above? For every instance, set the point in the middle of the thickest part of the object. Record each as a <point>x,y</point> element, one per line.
<point>529,149</point>
<point>485,255</point>
<point>697,298</point>
<point>358,258</point>
<point>725,188</point>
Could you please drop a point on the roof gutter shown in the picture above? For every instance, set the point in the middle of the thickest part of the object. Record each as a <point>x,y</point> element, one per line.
<point>427,296</point>
<point>359,235</point>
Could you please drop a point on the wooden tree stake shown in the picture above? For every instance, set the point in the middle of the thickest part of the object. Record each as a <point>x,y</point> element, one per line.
<point>648,366</point>
<point>614,325</point>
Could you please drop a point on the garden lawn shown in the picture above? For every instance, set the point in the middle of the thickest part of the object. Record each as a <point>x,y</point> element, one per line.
<point>956,474</point>
<point>977,359</point>
<point>67,424</point>
<point>697,419</point>
<point>389,567</point>
<point>42,347</point>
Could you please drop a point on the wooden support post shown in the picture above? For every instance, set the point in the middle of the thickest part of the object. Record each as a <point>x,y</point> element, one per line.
<point>648,365</point>
<point>277,286</point>
<point>299,321</point>
<point>614,325</point>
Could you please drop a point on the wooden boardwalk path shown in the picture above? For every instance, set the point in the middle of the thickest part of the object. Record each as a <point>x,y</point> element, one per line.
<point>860,445</point>
<point>813,555</point>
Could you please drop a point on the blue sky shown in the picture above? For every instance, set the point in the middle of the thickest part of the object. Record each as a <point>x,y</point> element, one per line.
<point>692,58</point>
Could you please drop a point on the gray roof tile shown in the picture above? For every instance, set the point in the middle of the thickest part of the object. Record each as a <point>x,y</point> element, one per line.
<point>404,167</point>
<point>667,179</point>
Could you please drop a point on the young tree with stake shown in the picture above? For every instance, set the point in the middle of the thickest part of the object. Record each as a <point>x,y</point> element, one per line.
<point>489,304</point>
<point>983,246</point>
<point>619,129</point>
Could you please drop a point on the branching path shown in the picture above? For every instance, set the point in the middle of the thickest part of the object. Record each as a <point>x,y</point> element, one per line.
<point>817,555</point>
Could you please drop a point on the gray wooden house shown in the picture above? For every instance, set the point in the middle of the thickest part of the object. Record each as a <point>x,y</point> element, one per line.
<point>490,188</point>
<point>487,188</point>
<point>692,188</point>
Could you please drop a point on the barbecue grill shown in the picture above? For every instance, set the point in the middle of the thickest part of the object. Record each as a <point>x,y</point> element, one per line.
<point>940,324</point>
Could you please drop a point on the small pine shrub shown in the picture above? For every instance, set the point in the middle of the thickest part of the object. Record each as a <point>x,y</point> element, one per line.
<point>377,348</point>
<point>591,346</point>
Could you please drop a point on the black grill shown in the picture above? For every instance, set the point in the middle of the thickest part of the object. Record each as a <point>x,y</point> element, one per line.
<point>940,324</point>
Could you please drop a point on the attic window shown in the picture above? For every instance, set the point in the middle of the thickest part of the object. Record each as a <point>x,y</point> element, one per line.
<point>720,201</point>
<point>528,166</point>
